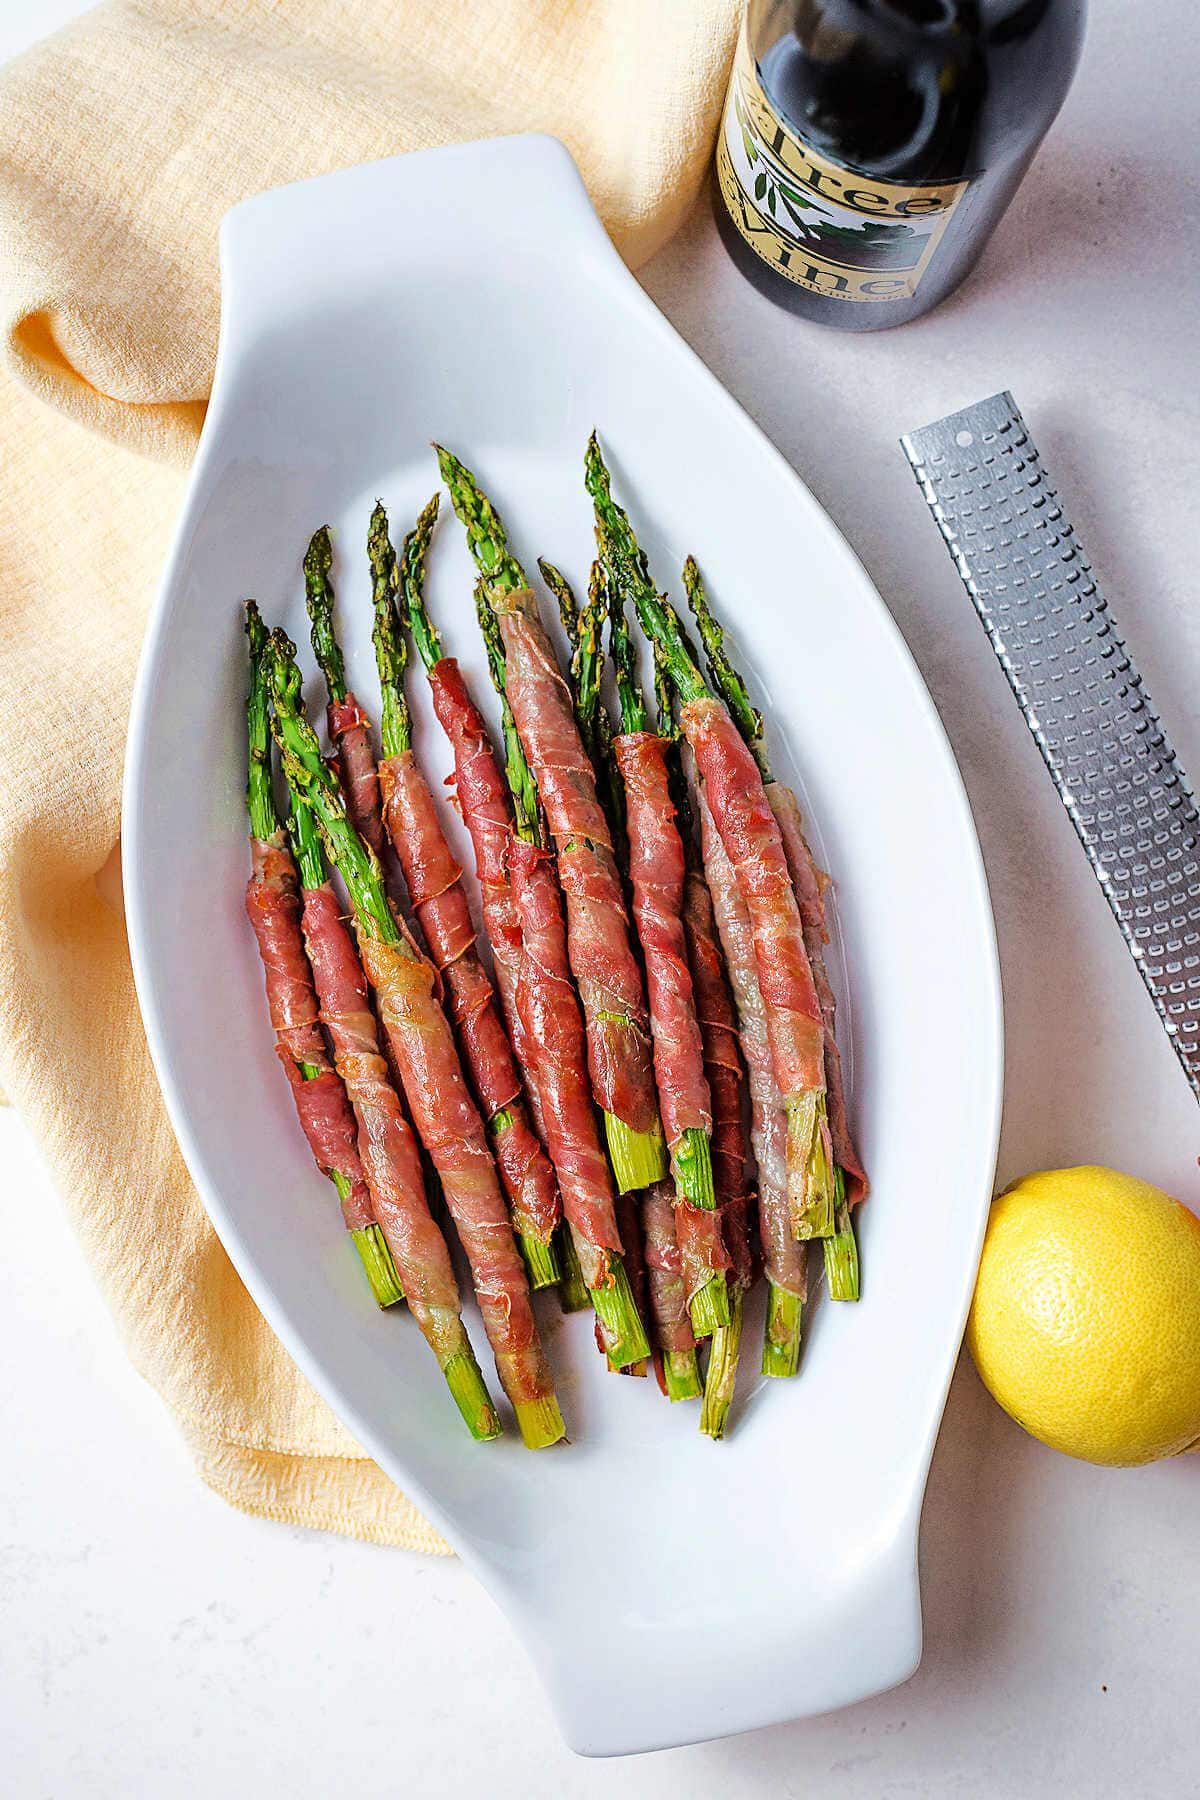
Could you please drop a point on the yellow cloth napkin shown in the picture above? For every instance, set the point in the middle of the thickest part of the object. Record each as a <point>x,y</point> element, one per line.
<point>122,142</point>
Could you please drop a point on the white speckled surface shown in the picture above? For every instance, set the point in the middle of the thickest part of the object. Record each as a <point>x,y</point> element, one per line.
<point>155,1642</point>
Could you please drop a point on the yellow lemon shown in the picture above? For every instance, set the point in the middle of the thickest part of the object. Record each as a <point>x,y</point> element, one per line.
<point>1085,1324</point>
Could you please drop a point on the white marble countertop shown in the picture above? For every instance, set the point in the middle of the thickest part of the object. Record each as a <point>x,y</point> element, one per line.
<point>154,1641</point>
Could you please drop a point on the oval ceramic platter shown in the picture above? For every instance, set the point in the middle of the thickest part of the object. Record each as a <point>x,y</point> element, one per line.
<point>667,1588</point>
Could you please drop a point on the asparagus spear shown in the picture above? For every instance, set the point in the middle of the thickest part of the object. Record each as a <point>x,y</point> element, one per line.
<point>664,1274</point>
<point>445,1115</point>
<point>598,930</point>
<point>658,908</point>
<point>841,1249</point>
<point>349,727</point>
<point>274,905</point>
<point>796,1023</point>
<point>576,1150</point>
<point>584,627</point>
<point>440,904</point>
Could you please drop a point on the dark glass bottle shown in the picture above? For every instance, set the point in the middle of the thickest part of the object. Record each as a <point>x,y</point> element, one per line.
<point>869,147</point>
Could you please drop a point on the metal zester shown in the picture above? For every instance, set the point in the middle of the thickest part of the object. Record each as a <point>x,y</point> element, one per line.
<point>1083,699</point>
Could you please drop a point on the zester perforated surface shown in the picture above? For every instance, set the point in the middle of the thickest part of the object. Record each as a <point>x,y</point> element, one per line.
<point>1080,692</point>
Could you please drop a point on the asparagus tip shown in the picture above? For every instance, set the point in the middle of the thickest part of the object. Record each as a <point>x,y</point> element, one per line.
<point>318,558</point>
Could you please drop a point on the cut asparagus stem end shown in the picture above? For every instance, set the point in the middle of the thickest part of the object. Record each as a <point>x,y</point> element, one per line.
<point>781,1338</point>
<point>810,1172</point>
<point>541,1262</point>
<point>621,1325</point>
<point>371,1245</point>
<point>722,1371</point>
<point>692,1168</point>
<point>841,1257</point>
<point>681,1375</point>
<point>573,1295</point>
<point>639,1158</point>
<point>471,1396</point>
<point>710,1307</point>
<point>540,1421</point>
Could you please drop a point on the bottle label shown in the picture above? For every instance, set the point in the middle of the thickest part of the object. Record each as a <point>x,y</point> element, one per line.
<point>842,235</point>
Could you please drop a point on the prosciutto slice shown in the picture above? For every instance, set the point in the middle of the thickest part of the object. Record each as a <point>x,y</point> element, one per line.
<point>601,953</point>
<point>483,802</point>
<point>724,1069</point>
<point>753,845</point>
<point>391,1158</point>
<point>553,1025</point>
<point>664,1271</point>
<point>350,735</point>
<point>656,874</point>
<point>785,1260</point>
<point>273,905</point>
<point>439,901</point>
<point>809,884</point>
<point>452,1131</point>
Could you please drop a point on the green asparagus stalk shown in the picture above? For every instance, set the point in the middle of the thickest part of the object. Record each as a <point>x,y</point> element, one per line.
<point>318,590</point>
<point>312,781</point>
<point>721,1375</point>
<point>841,1248</point>
<point>807,1154</point>
<point>638,1157</point>
<point>369,1240</point>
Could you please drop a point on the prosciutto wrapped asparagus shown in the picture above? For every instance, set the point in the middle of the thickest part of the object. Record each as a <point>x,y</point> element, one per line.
<point>349,726</point>
<point>274,908</point>
<point>434,1085</point>
<point>598,936</point>
<point>726,1084</point>
<point>670,1277</point>
<point>851,1186</point>
<point>440,904</point>
<point>553,1025</point>
<point>656,873</point>
<point>785,1259</point>
<point>390,1157</point>
<point>754,846</point>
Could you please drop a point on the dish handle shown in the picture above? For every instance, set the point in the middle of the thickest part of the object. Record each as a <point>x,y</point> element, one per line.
<point>294,252</point>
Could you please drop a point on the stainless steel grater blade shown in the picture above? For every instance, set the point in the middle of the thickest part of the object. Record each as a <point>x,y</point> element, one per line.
<point>1083,699</point>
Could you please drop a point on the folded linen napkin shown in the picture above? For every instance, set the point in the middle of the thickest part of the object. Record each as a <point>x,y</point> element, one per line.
<point>123,140</point>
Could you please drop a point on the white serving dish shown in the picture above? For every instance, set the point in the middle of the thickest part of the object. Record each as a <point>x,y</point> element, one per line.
<point>668,1589</point>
